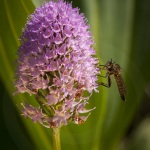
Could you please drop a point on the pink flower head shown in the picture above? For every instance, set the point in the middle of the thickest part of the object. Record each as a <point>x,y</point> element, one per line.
<point>56,63</point>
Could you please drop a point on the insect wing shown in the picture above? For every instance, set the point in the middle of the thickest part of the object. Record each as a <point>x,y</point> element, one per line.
<point>121,86</point>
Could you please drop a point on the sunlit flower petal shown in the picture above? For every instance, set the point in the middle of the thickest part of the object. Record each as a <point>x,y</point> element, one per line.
<point>56,64</point>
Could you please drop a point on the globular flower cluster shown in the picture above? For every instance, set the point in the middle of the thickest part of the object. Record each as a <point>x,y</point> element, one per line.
<point>56,64</point>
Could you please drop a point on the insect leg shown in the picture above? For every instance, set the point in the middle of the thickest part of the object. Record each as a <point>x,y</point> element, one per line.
<point>103,67</point>
<point>103,76</point>
<point>109,81</point>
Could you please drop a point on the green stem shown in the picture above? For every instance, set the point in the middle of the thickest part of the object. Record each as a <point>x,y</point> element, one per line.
<point>56,139</point>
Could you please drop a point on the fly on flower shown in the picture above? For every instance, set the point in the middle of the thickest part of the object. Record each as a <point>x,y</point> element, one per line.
<point>114,69</point>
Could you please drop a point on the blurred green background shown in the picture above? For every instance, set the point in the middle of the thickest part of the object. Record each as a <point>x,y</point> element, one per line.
<point>121,30</point>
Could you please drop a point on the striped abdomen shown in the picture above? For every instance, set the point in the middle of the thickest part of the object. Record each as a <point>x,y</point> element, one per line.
<point>121,86</point>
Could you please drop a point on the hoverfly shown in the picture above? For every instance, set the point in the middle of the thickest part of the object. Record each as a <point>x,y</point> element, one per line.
<point>114,69</point>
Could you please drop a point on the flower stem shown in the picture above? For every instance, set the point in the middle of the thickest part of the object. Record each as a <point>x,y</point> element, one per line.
<point>56,139</point>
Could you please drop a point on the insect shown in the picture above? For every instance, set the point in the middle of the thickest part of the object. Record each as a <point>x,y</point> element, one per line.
<point>114,69</point>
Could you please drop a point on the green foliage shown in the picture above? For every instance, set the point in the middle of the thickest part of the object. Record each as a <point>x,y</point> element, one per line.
<point>121,30</point>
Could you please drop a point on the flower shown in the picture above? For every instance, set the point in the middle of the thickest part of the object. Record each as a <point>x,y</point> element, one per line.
<point>56,63</point>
